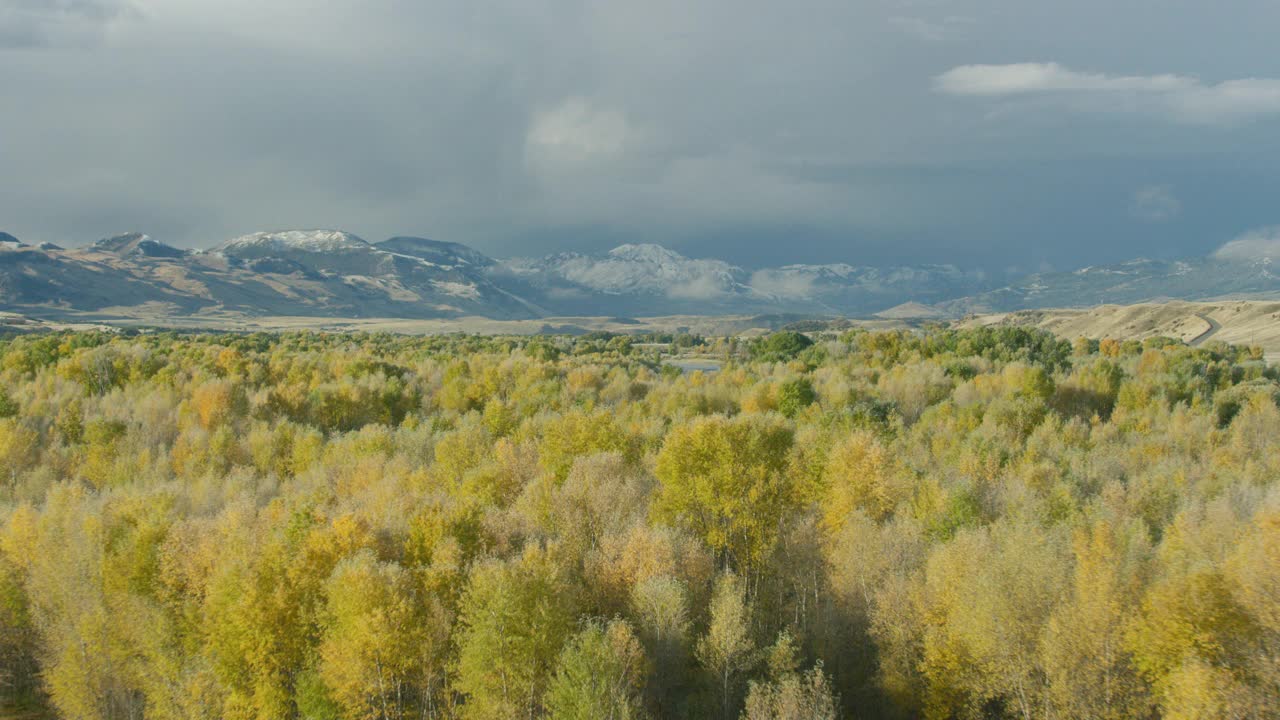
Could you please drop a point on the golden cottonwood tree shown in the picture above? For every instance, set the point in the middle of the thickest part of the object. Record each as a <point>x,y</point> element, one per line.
<point>1089,668</point>
<point>726,479</point>
<point>375,640</point>
<point>946,522</point>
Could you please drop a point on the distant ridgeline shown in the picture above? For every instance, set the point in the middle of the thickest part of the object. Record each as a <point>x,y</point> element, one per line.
<point>331,273</point>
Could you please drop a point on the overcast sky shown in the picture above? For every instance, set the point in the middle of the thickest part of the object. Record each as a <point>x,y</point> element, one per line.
<point>990,133</point>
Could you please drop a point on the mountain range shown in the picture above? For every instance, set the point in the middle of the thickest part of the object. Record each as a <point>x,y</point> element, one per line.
<point>332,273</point>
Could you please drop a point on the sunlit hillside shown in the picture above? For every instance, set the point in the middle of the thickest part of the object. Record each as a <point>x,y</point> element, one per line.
<point>1244,322</point>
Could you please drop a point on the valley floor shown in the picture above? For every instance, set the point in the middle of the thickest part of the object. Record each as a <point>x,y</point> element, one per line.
<point>746,325</point>
<point>1238,322</point>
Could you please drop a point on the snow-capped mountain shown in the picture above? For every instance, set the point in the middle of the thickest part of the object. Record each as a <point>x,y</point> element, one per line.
<point>652,269</point>
<point>444,254</point>
<point>286,242</point>
<point>628,278</point>
<point>403,276</point>
<point>633,279</point>
<point>293,272</point>
<point>1139,280</point>
<point>136,245</point>
<point>324,253</point>
<point>337,274</point>
<point>850,289</point>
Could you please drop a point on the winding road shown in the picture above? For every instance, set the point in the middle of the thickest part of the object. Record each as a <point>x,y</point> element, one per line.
<point>1214,327</point>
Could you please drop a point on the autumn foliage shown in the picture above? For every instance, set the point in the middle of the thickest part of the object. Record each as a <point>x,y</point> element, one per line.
<point>940,524</point>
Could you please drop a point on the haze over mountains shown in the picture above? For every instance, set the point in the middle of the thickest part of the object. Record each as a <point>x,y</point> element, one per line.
<point>332,273</point>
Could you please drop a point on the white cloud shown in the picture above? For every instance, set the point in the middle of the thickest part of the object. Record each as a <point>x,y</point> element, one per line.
<point>1048,77</point>
<point>1185,98</point>
<point>706,286</point>
<point>1155,203</point>
<point>578,132</point>
<point>1229,100</point>
<point>1263,243</point>
<point>782,283</point>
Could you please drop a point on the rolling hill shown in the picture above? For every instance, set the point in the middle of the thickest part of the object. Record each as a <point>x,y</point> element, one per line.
<point>1239,322</point>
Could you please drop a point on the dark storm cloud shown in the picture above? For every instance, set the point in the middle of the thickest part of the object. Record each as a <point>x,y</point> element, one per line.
<point>994,132</point>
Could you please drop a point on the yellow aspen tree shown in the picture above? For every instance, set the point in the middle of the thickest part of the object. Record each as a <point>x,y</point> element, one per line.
<point>1090,671</point>
<point>727,651</point>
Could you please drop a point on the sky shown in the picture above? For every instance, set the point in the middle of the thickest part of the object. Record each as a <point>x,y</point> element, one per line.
<point>995,134</point>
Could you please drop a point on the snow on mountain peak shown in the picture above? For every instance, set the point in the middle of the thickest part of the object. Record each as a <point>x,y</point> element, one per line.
<point>647,253</point>
<point>136,244</point>
<point>1261,244</point>
<point>122,239</point>
<point>434,251</point>
<point>648,269</point>
<point>314,241</point>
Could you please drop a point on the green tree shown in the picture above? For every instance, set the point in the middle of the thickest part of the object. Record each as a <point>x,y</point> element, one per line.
<point>783,345</point>
<point>514,618</point>
<point>599,675</point>
<point>795,395</point>
<point>8,406</point>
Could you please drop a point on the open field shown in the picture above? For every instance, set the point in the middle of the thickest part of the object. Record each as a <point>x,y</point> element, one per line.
<point>1246,322</point>
<point>717,325</point>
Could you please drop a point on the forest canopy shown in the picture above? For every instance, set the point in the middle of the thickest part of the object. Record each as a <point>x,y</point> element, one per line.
<point>984,523</point>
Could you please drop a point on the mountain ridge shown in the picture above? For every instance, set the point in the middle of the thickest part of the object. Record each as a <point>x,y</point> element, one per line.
<point>334,273</point>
